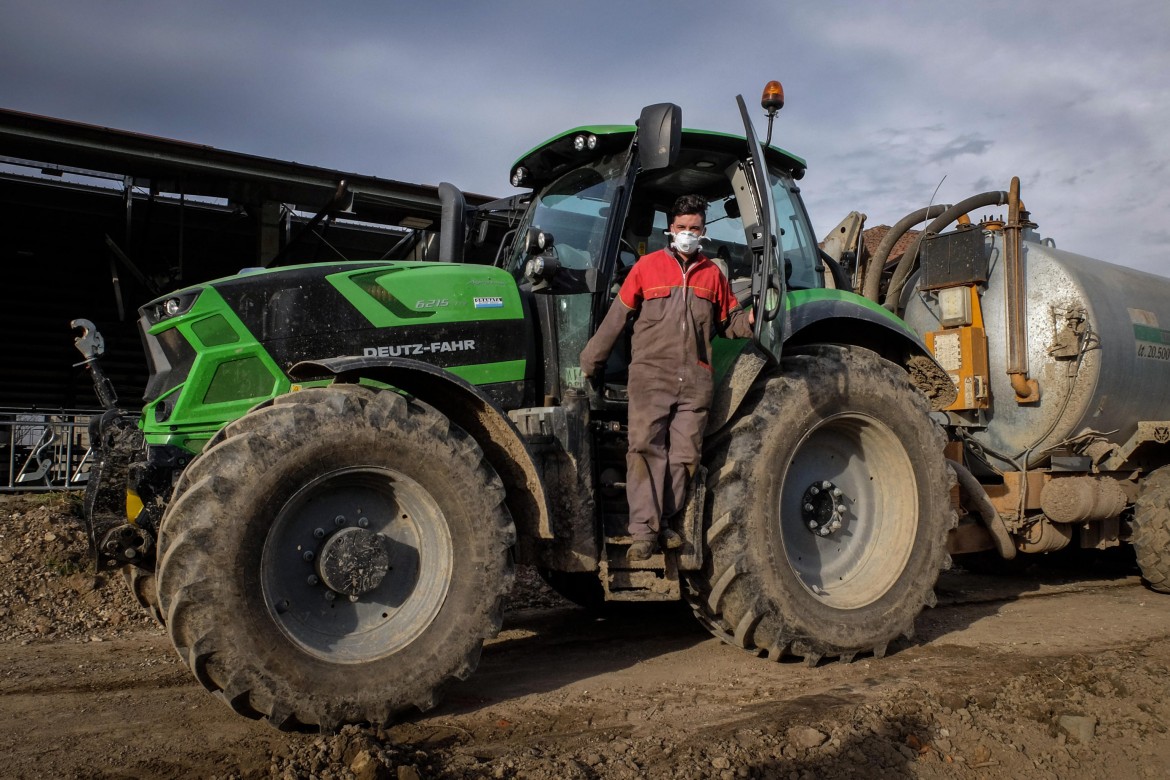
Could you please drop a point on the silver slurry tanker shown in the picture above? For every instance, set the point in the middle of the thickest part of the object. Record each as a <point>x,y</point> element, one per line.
<point>1098,346</point>
<point>1060,433</point>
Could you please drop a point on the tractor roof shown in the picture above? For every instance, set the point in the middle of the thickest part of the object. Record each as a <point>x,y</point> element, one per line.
<point>551,158</point>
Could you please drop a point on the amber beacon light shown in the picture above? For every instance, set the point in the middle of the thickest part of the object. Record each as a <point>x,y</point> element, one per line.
<point>773,97</point>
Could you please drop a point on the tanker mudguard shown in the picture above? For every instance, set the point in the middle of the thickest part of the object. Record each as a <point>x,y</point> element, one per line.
<point>466,406</point>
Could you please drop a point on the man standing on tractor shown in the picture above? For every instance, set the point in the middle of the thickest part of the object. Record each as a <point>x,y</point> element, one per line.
<point>678,299</point>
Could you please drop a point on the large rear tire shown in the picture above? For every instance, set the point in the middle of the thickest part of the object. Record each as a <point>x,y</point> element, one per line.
<point>829,511</point>
<point>1151,530</point>
<point>336,557</point>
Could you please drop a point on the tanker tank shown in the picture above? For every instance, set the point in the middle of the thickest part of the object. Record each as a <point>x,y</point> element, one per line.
<point>1098,345</point>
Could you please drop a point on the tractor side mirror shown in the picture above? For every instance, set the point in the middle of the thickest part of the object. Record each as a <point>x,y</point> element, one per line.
<point>659,136</point>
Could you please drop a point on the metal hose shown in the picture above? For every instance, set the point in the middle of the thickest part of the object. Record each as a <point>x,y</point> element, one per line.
<point>870,285</point>
<point>909,260</point>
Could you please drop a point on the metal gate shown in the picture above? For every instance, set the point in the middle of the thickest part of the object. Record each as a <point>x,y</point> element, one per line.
<point>44,450</point>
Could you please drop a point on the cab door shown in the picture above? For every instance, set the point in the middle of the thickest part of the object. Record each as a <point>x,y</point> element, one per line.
<point>768,283</point>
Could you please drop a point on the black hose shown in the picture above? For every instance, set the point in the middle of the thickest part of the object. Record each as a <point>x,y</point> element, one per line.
<point>871,284</point>
<point>908,263</point>
<point>991,519</point>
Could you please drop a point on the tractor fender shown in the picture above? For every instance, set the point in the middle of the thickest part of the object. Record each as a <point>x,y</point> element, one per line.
<point>838,317</point>
<point>467,407</point>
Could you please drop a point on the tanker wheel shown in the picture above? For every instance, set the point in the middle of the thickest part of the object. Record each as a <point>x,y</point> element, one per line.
<point>1151,530</point>
<point>829,511</point>
<point>336,557</point>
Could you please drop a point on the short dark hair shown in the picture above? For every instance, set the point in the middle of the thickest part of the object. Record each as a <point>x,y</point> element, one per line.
<point>689,204</point>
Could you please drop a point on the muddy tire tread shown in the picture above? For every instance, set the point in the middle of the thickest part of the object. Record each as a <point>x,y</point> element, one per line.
<point>730,596</point>
<point>196,586</point>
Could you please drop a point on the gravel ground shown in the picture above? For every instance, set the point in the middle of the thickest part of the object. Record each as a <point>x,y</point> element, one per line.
<point>934,710</point>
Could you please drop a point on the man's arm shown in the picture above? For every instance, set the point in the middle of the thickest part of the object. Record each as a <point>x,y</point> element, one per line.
<point>738,324</point>
<point>597,351</point>
<point>735,322</point>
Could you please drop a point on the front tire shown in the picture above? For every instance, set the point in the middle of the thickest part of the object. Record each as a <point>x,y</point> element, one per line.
<point>336,557</point>
<point>829,511</point>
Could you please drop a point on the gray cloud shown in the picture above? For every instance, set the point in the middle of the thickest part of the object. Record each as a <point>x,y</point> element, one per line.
<point>957,147</point>
<point>883,100</point>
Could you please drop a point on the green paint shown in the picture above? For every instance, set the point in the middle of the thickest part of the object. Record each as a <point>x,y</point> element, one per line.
<point>1150,333</point>
<point>802,297</point>
<point>431,293</point>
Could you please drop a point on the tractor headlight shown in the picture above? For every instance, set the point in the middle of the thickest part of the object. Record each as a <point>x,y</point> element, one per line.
<point>170,307</point>
<point>584,141</point>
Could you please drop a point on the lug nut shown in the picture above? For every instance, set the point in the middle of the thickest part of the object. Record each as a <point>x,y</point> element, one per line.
<point>841,508</point>
<point>353,597</point>
<point>308,556</point>
<point>812,524</point>
<point>330,595</point>
<point>836,492</point>
<point>363,522</point>
<point>312,580</point>
<point>282,606</point>
<point>812,491</point>
<point>809,507</point>
<point>319,533</point>
<point>339,520</point>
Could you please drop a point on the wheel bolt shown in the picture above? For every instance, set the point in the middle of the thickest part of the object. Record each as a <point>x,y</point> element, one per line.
<point>812,491</point>
<point>836,492</point>
<point>319,533</point>
<point>312,580</point>
<point>308,556</point>
<point>330,595</point>
<point>812,524</point>
<point>809,507</point>
<point>841,508</point>
<point>339,520</point>
<point>363,522</point>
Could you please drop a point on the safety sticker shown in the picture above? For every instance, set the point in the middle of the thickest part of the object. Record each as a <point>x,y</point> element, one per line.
<point>489,303</point>
<point>1152,343</point>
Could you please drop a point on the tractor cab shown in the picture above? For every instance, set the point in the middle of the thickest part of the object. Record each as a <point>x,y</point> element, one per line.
<point>600,199</point>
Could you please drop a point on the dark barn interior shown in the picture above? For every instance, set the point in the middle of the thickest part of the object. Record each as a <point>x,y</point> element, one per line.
<point>97,222</point>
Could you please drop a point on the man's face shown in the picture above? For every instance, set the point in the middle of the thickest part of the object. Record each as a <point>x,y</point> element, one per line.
<point>688,222</point>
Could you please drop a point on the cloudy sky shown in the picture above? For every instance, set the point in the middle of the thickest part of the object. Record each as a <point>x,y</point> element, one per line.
<point>884,100</point>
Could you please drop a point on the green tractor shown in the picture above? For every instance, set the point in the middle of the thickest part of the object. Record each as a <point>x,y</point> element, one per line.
<point>341,463</point>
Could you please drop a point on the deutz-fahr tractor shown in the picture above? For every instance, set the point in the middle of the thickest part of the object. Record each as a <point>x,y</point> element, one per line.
<point>341,463</point>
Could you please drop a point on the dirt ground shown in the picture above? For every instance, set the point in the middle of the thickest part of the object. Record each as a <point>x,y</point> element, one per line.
<point>1042,674</point>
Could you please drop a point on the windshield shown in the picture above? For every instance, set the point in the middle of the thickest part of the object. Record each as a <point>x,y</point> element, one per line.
<point>797,246</point>
<point>575,209</point>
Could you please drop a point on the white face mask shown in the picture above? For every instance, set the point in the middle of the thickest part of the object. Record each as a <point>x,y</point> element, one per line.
<point>686,242</point>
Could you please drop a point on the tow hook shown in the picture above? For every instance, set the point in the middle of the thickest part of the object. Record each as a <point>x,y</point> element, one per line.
<point>824,508</point>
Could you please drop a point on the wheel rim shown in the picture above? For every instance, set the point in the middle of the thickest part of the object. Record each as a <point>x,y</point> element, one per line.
<point>357,564</point>
<point>849,510</point>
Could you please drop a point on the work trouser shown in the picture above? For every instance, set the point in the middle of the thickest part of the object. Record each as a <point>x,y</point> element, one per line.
<point>666,437</point>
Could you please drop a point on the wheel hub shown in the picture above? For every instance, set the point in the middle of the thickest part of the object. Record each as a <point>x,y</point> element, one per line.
<point>823,507</point>
<point>353,561</point>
